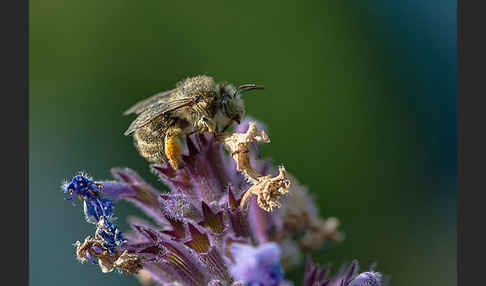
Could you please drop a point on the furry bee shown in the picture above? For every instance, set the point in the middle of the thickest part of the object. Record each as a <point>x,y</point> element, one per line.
<point>197,104</point>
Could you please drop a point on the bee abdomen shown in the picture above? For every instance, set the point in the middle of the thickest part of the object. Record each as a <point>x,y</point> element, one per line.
<point>150,144</point>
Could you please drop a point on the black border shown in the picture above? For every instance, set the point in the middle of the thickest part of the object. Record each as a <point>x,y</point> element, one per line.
<point>14,21</point>
<point>471,105</point>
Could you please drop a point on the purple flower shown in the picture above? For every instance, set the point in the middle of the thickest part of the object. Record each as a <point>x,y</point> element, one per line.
<point>90,193</point>
<point>97,210</point>
<point>83,187</point>
<point>94,209</point>
<point>318,276</point>
<point>257,266</point>
<point>367,279</point>
<point>201,232</point>
<point>110,234</point>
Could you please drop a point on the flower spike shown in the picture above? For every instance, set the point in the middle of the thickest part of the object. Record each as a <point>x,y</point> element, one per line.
<point>229,218</point>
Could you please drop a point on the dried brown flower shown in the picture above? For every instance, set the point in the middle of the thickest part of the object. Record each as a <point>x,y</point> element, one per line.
<point>269,189</point>
<point>93,248</point>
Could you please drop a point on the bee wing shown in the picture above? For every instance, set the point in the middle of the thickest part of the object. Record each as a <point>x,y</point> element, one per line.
<point>140,106</point>
<point>157,109</point>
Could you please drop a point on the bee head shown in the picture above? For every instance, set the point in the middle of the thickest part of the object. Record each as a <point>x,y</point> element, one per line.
<point>231,102</point>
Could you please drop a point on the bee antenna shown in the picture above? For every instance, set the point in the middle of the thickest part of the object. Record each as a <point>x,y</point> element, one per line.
<point>246,87</point>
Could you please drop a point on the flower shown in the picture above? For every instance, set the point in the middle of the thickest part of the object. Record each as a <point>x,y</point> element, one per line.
<point>257,266</point>
<point>90,193</point>
<point>84,187</point>
<point>367,279</point>
<point>108,238</point>
<point>318,276</point>
<point>109,234</point>
<point>229,219</point>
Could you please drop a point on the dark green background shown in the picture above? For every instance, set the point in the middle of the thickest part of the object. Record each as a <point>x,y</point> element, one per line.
<point>359,102</point>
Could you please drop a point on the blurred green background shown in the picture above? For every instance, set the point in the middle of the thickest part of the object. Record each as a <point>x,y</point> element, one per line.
<point>360,102</point>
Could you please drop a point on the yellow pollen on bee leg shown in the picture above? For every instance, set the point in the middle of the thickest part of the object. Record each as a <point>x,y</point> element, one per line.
<point>173,151</point>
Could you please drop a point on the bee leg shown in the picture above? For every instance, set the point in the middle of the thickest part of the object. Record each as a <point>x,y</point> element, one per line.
<point>172,147</point>
<point>207,125</point>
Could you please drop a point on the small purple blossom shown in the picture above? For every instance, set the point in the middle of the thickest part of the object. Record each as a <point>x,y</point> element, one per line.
<point>83,187</point>
<point>95,208</point>
<point>319,276</point>
<point>257,266</point>
<point>367,279</point>
<point>89,192</point>
<point>110,234</point>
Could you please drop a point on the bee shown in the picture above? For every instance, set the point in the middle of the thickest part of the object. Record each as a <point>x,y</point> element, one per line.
<point>197,105</point>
